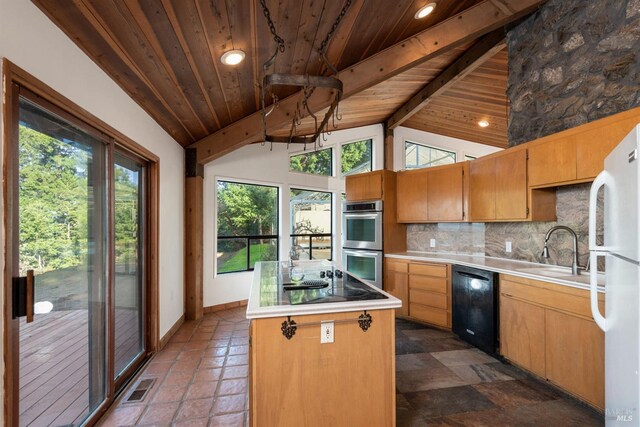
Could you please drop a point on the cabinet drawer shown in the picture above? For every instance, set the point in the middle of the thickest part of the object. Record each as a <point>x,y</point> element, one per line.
<point>431,299</point>
<point>436,270</point>
<point>397,266</point>
<point>427,283</point>
<point>429,314</point>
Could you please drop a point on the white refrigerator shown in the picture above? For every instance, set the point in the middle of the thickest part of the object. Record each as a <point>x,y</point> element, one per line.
<point>621,250</point>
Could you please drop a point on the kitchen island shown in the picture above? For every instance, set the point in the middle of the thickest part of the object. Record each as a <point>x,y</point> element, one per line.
<point>322,348</point>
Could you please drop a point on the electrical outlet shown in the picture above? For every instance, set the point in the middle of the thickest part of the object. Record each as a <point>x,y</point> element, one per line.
<point>432,243</point>
<point>507,246</point>
<point>326,332</point>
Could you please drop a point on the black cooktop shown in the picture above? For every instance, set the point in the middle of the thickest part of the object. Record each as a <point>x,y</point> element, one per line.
<point>326,287</point>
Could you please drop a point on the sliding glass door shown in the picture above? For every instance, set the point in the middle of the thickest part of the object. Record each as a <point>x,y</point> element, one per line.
<point>78,210</point>
<point>129,261</point>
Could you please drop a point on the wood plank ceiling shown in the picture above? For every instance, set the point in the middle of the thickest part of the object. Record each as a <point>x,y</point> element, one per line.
<point>166,55</point>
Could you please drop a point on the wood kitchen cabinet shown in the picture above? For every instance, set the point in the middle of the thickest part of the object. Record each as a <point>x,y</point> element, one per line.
<point>430,293</point>
<point>522,334</point>
<point>547,329</point>
<point>577,154</point>
<point>411,196</point>
<point>574,348</point>
<point>498,187</point>
<point>424,288</point>
<point>434,194</point>
<point>396,282</point>
<point>364,186</point>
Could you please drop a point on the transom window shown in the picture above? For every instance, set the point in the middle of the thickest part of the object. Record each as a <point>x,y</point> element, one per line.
<point>247,225</point>
<point>311,213</point>
<point>356,157</point>
<point>318,162</point>
<point>423,156</point>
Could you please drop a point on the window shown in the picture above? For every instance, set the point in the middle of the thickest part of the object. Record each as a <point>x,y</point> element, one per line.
<point>468,157</point>
<point>423,156</point>
<point>318,162</point>
<point>311,213</point>
<point>356,157</point>
<point>247,225</point>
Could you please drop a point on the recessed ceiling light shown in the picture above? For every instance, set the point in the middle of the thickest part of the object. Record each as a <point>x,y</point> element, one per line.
<point>232,57</point>
<point>425,10</point>
<point>483,123</point>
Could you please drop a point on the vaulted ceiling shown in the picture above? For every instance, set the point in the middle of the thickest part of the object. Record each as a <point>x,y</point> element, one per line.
<point>166,55</point>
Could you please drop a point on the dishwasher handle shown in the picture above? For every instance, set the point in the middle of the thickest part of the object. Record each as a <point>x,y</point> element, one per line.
<point>473,276</point>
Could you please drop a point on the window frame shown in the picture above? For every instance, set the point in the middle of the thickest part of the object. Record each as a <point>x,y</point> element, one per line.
<point>331,162</point>
<point>342,144</point>
<point>312,235</point>
<point>247,238</point>
<point>433,147</point>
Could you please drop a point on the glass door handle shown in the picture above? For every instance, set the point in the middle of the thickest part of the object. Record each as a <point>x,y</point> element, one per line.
<point>23,294</point>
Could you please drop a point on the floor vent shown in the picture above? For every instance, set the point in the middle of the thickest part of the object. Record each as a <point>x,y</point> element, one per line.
<point>139,393</point>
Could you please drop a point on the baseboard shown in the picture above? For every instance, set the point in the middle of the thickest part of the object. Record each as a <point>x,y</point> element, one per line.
<point>165,339</point>
<point>227,306</point>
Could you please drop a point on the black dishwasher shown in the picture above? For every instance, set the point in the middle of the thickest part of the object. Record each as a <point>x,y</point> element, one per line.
<point>475,307</point>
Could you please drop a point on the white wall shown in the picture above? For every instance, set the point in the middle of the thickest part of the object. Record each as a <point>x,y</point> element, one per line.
<point>31,41</point>
<point>461,147</point>
<point>257,164</point>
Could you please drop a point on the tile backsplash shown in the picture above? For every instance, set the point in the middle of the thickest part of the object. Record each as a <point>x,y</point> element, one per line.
<point>527,238</point>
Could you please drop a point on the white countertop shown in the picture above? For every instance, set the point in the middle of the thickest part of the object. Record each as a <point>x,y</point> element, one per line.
<point>506,266</point>
<point>265,299</point>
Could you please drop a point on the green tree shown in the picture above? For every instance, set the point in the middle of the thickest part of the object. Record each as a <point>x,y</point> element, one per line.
<point>245,209</point>
<point>355,155</point>
<point>53,194</point>
<point>317,162</point>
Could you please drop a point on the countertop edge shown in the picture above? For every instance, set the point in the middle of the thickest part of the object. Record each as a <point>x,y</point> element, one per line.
<point>254,311</point>
<point>453,259</point>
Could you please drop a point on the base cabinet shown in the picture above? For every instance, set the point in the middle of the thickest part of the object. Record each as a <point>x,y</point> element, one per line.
<point>522,334</point>
<point>547,329</point>
<point>396,282</point>
<point>424,288</point>
<point>575,349</point>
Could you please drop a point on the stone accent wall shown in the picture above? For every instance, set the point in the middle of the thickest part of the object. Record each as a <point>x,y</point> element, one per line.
<point>572,62</point>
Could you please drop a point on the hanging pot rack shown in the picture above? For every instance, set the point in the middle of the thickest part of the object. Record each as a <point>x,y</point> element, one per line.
<point>308,83</point>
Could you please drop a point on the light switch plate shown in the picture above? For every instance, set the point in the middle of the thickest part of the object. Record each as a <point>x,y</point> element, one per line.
<point>432,243</point>
<point>326,332</point>
<point>507,246</point>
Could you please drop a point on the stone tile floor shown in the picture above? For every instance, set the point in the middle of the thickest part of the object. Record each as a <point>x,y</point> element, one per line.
<point>201,379</point>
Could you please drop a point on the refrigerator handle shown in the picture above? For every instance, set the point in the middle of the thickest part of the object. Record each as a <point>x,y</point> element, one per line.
<point>593,288</point>
<point>603,179</point>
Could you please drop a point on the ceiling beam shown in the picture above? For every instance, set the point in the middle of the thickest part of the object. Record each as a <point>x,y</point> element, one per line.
<point>478,54</point>
<point>468,25</point>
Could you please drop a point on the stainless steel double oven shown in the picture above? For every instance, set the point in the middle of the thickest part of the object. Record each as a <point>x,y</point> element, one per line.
<point>362,240</point>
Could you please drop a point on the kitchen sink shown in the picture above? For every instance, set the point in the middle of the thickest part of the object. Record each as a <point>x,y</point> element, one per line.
<point>554,271</point>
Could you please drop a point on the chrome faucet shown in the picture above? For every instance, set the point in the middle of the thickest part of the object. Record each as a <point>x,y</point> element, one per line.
<point>575,268</point>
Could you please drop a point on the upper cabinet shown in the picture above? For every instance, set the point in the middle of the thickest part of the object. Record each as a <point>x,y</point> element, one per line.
<point>364,186</point>
<point>577,155</point>
<point>432,194</point>
<point>498,187</point>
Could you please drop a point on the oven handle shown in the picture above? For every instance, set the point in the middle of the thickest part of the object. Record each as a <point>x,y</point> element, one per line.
<point>363,253</point>
<point>362,216</point>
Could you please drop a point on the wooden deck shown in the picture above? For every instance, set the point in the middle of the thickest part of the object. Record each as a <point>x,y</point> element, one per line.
<point>54,365</point>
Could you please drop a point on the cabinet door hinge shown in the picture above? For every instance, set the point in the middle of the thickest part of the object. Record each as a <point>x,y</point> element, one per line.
<point>527,211</point>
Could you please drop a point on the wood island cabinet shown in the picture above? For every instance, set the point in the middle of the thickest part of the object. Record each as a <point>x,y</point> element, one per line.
<point>436,194</point>
<point>547,329</point>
